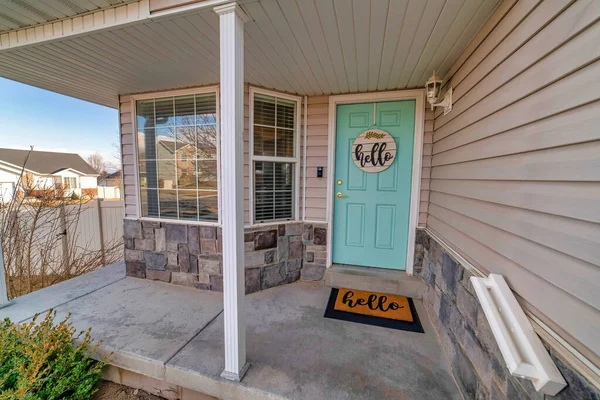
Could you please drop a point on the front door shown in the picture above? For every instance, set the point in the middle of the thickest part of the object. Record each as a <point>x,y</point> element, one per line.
<point>371,205</point>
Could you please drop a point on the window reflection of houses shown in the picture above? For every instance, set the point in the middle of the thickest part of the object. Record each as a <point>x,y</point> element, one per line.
<point>177,151</point>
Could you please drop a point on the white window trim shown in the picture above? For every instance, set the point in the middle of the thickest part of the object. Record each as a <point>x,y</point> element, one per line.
<point>171,93</point>
<point>77,182</point>
<point>252,157</point>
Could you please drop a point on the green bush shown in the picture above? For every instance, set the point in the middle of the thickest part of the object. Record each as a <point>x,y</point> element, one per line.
<point>42,361</point>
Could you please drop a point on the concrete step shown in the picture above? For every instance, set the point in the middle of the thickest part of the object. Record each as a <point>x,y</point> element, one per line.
<point>375,280</point>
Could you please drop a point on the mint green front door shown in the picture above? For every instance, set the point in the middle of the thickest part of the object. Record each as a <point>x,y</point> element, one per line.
<point>370,219</point>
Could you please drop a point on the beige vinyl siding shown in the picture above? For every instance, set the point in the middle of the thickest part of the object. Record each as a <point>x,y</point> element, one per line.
<point>515,171</point>
<point>130,193</point>
<point>426,167</point>
<point>316,156</point>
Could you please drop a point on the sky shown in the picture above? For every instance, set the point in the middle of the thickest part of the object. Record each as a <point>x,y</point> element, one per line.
<point>52,122</point>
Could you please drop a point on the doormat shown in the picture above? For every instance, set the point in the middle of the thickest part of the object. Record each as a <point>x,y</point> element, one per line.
<point>370,308</point>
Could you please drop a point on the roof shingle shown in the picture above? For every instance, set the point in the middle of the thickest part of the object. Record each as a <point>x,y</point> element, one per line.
<point>46,162</point>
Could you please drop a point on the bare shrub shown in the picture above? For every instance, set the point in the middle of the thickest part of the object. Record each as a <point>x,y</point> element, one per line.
<point>41,239</point>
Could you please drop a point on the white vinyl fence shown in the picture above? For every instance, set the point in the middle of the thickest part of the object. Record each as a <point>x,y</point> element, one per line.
<point>65,239</point>
<point>109,192</point>
<point>99,224</point>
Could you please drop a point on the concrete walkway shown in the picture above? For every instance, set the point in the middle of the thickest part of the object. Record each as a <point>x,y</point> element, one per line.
<point>175,334</point>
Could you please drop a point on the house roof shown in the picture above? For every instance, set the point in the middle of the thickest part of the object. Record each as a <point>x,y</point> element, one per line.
<point>46,162</point>
<point>168,144</point>
<point>114,175</point>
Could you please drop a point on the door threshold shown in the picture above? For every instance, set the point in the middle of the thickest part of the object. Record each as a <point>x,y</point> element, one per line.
<point>378,280</point>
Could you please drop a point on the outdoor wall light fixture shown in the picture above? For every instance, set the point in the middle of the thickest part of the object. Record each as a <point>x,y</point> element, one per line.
<point>434,89</point>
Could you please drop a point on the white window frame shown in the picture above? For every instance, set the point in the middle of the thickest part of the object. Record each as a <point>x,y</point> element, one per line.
<point>172,93</point>
<point>296,159</point>
<point>77,183</point>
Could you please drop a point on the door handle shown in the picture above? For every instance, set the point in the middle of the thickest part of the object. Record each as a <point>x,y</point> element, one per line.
<point>339,195</point>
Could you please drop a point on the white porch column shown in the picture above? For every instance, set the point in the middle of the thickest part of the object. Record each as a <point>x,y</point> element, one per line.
<point>232,19</point>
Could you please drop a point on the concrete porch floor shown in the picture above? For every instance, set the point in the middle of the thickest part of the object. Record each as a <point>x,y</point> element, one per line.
<point>175,334</point>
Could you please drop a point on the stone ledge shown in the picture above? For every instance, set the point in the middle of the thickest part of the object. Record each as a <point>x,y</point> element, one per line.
<point>375,279</point>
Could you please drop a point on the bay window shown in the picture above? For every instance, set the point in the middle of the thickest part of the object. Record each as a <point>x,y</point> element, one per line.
<point>274,156</point>
<point>177,155</point>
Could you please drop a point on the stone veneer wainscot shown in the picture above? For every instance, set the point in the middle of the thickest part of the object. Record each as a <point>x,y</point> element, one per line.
<point>467,339</point>
<point>192,254</point>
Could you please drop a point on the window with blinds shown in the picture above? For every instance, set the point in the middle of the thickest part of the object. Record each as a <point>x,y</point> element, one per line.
<point>177,155</point>
<point>274,158</point>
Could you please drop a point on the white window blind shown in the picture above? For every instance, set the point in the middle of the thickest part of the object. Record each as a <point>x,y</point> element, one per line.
<point>177,154</point>
<point>274,158</point>
<point>274,127</point>
<point>274,191</point>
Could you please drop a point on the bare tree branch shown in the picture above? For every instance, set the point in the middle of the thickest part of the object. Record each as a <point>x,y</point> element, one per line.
<point>35,232</point>
<point>97,162</point>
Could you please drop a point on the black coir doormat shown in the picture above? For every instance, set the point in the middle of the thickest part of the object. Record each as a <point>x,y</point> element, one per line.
<point>370,308</point>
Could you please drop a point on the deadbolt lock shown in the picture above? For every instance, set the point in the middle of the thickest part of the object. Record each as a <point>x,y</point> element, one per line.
<point>339,182</point>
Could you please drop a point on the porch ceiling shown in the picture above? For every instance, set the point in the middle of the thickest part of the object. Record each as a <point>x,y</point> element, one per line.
<point>299,46</point>
<point>17,14</point>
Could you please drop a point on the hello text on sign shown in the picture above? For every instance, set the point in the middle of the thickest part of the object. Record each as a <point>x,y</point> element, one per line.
<point>374,150</point>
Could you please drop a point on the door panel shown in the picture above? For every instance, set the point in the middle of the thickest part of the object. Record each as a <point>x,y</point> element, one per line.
<point>370,221</point>
<point>385,215</point>
<point>355,228</point>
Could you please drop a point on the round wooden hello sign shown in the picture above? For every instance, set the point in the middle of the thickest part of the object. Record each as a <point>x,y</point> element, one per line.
<point>374,150</point>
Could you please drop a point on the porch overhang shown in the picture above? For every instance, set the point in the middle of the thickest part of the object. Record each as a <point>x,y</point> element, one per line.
<point>301,47</point>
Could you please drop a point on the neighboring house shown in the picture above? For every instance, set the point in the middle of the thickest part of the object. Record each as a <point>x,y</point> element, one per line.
<point>114,179</point>
<point>109,186</point>
<point>63,173</point>
<point>239,127</point>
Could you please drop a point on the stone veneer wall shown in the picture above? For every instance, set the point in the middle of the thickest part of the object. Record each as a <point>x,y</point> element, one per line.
<point>192,255</point>
<point>467,339</point>
<point>421,239</point>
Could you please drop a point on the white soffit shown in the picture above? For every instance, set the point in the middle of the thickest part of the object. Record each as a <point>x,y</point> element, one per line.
<point>16,14</point>
<point>304,47</point>
<point>135,55</point>
<point>347,46</point>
